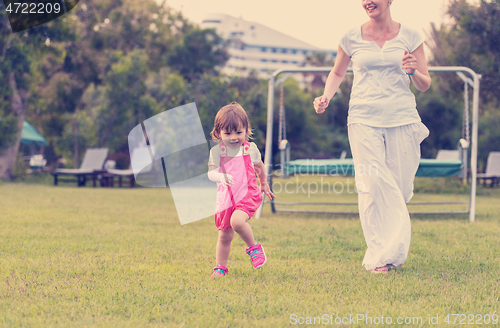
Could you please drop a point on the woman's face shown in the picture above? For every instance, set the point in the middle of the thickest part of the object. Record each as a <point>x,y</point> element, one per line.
<point>374,8</point>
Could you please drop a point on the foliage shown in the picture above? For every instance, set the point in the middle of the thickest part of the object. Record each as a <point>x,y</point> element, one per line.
<point>111,37</point>
<point>20,70</point>
<point>8,129</point>
<point>169,89</point>
<point>319,59</point>
<point>200,52</point>
<point>442,118</point>
<point>252,96</point>
<point>116,71</point>
<point>92,75</point>
<point>334,138</point>
<point>127,103</point>
<point>472,40</point>
<point>304,132</point>
<point>489,134</point>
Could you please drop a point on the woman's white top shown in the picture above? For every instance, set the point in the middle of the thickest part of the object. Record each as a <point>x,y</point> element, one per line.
<point>381,95</point>
<point>214,159</point>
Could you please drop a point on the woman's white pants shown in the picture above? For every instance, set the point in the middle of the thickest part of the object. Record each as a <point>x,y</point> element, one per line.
<point>385,162</point>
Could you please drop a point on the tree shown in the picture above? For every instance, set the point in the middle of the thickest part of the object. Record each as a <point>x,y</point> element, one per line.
<point>472,40</point>
<point>18,70</point>
<point>437,113</point>
<point>105,31</point>
<point>201,52</point>
<point>127,102</point>
<point>318,59</point>
<point>168,88</point>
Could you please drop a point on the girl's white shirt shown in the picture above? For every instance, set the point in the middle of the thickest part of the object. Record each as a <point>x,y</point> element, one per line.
<point>381,95</point>
<point>214,159</point>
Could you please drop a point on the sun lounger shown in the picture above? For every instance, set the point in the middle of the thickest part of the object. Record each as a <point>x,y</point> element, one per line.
<point>93,159</point>
<point>492,171</point>
<point>138,155</point>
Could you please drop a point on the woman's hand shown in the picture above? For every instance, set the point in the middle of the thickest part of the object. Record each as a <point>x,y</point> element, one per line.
<point>416,65</point>
<point>320,104</point>
<point>410,62</point>
<point>267,190</point>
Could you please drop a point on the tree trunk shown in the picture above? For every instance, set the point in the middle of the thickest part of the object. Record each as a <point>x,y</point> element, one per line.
<point>75,141</point>
<point>8,156</point>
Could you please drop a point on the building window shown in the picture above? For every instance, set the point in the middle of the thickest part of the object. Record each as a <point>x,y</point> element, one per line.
<point>264,60</point>
<point>285,62</point>
<point>274,50</point>
<point>263,49</point>
<point>295,62</point>
<point>283,51</point>
<point>304,52</point>
<point>274,61</point>
<point>294,51</point>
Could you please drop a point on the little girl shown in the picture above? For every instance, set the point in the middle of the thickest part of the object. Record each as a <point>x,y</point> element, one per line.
<point>232,164</point>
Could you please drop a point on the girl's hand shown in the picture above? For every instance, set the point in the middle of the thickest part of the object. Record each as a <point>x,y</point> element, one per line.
<point>409,62</point>
<point>266,190</point>
<point>320,104</point>
<point>226,180</point>
<point>215,176</point>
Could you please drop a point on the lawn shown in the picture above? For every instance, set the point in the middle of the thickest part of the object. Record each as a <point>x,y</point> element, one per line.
<point>97,257</point>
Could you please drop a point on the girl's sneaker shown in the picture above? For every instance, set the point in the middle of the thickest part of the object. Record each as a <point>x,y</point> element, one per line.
<point>219,271</point>
<point>257,255</point>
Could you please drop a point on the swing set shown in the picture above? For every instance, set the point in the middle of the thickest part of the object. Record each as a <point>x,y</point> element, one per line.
<point>427,167</point>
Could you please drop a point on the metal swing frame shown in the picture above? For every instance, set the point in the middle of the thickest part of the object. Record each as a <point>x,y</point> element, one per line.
<point>462,72</point>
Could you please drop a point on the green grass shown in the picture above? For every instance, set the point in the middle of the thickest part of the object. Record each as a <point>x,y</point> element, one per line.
<point>85,257</point>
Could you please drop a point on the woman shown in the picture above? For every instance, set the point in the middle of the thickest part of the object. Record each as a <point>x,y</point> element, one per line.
<point>385,130</point>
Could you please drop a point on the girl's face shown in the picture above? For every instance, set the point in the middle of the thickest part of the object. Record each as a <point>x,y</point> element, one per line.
<point>233,139</point>
<point>374,8</point>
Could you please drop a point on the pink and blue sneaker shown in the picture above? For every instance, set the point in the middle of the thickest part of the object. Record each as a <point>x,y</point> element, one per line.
<point>219,271</point>
<point>257,255</point>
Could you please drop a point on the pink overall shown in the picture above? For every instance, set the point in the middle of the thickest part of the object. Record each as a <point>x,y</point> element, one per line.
<point>243,195</point>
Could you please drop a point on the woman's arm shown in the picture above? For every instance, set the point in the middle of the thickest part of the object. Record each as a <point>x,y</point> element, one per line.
<point>333,81</point>
<point>261,173</point>
<point>416,63</point>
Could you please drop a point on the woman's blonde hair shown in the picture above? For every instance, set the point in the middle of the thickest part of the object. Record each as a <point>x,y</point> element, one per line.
<point>231,118</point>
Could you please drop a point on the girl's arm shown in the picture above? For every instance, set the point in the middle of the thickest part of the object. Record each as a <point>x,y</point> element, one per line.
<point>333,81</point>
<point>261,173</point>
<point>216,176</point>
<point>415,63</point>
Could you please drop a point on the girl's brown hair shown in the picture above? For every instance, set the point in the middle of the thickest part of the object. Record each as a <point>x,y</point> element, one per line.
<point>231,118</point>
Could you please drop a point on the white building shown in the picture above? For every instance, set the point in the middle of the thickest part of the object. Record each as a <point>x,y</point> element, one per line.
<point>253,46</point>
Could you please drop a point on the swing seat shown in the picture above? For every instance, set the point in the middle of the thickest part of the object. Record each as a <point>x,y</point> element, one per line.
<point>427,167</point>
